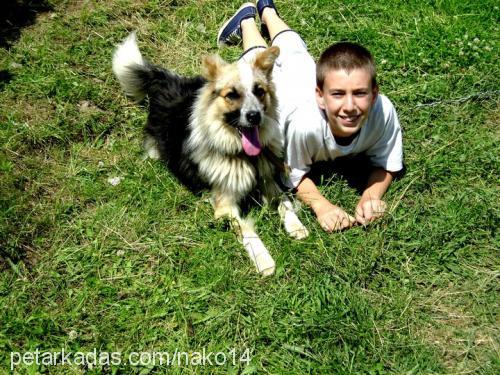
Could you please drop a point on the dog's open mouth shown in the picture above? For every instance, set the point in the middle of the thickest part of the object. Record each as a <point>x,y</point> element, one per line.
<point>250,140</point>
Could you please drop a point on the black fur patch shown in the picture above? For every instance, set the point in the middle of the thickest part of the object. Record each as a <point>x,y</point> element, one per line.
<point>171,99</point>
<point>233,118</point>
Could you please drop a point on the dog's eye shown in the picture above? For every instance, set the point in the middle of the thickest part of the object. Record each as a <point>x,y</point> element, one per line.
<point>259,92</point>
<point>232,95</point>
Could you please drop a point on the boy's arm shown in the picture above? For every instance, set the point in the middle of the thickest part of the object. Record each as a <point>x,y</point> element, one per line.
<point>329,216</point>
<point>371,206</point>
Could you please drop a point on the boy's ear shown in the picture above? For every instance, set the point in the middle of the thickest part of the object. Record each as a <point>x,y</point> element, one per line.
<point>375,93</point>
<point>320,99</point>
<point>265,60</point>
<point>211,66</point>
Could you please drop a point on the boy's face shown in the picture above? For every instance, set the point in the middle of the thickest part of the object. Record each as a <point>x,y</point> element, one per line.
<point>347,98</point>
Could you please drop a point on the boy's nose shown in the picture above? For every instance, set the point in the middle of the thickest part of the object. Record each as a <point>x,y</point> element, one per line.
<point>349,104</point>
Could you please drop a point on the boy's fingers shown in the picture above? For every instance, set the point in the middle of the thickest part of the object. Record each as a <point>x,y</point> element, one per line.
<point>377,208</point>
<point>336,220</point>
<point>382,206</point>
<point>325,226</point>
<point>344,221</point>
<point>360,215</point>
<point>352,220</point>
<point>326,223</point>
<point>332,223</point>
<point>370,210</point>
<point>360,219</point>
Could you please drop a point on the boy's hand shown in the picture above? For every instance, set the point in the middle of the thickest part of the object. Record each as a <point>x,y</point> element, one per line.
<point>333,218</point>
<point>369,210</point>
<point>329,216</point>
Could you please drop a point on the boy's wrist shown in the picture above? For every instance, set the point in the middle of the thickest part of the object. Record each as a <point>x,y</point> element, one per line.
<point>318,205</point>
<point>363,200</point>
<point>378,183</point>
<point>368,196</point>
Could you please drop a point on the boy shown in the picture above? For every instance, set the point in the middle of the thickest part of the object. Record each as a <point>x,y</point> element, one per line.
<point>332,113</point>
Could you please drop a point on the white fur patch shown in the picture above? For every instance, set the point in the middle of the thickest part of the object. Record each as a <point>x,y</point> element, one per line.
<point>246,74</point>
<point>258,254</point>
<point>125,57</point>
<point>292,223</point>
<point>151,148</point>
<point>250,102</point>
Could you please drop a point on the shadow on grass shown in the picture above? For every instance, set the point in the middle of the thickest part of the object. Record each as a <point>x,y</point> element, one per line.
<point>17,14</point>
<point>5,77</point>
<point>354,170</point>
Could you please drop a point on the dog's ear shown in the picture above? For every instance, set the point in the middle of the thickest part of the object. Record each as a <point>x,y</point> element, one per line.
<point>265,60</point>
<point>211,66</point>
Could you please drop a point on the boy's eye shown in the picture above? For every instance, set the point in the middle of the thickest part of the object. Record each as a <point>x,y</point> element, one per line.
<point>361,94</point>
<point>337,94</point>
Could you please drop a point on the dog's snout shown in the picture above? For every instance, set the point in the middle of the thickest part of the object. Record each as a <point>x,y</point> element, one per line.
<point>253,117</point>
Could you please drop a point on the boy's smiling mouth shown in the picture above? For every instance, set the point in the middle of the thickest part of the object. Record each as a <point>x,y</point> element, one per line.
<point>349,120</point>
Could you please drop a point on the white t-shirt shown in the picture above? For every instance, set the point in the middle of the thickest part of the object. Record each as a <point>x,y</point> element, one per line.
<point>308,139</point>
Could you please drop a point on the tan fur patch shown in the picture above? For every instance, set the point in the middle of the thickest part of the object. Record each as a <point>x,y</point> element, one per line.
<point>265,60</point>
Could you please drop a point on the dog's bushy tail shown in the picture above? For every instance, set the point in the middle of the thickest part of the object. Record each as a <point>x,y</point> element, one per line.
<point>131,69</point>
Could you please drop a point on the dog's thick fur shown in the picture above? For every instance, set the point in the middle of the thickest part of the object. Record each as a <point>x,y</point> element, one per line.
<point>217,131</point>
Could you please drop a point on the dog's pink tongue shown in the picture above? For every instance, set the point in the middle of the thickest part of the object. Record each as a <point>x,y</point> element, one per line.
<point>250,141</point>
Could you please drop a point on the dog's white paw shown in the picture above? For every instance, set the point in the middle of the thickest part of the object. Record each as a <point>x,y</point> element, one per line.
<point>259,255</point>
<point>151,148</point>
<point>294,227</point>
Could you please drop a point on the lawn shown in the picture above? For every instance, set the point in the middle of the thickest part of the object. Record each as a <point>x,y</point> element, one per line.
<point>141,267</point>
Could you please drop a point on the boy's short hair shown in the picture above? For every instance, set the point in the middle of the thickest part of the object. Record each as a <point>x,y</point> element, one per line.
<point>345,56</point>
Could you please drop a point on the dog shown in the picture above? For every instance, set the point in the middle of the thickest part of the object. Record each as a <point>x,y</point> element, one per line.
<point>216,131</point>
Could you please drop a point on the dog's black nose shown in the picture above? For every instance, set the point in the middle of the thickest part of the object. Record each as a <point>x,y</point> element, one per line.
<point>253,117</point>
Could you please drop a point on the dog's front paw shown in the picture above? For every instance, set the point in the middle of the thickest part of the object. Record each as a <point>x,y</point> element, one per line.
<point>258,254</point>
<point>294,227</point>
<point>297,231</point>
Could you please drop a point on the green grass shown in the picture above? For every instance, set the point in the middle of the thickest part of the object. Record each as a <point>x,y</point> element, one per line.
<point>142,266</point>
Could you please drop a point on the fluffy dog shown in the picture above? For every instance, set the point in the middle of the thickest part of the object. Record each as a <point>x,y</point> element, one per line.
<point>215,131</point>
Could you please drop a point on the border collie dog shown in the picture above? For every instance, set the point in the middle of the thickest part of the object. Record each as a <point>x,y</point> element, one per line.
<point>216,131</point>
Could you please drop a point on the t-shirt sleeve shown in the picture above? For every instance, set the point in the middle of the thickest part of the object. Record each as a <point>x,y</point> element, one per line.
<point>387,152</point>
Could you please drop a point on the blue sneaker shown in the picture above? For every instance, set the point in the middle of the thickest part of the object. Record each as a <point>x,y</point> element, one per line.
<point>230,33</point>
<point>261,4</point>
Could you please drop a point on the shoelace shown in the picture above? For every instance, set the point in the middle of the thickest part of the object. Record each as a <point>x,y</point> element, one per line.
<point>234,37</point>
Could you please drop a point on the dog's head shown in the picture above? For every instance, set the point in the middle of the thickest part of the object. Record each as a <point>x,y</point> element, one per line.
<point>243,95</point>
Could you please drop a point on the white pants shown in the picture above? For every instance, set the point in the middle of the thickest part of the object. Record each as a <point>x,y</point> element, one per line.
<point>294,72</point>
